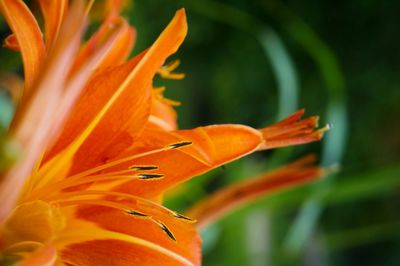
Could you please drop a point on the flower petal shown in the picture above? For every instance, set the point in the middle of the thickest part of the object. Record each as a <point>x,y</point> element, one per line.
<point>117,252</point>
<point>53,13</point>
<point>33,221</point>
<point>211,147</point>
<point>11,43</point>
<point>292,131</point>
<point>26,29</point>
<point>156,232</point>
<point>58,167</point>
<point>116,104</point>
<point>45,256</point>
<point>187,242</point>
<point>232,197</point>
<point>163,116</point>
<point>118,52</point>
<point>32,127</point>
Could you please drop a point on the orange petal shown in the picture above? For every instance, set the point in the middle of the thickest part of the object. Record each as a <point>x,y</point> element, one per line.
<point>212,146</point>
<point>292,131</point>
<point>26,29</point>
<point>157,233</point>
<point>11,43</point>
<point>116,252</point>
<point>116,104</point>
<point>45,256</point>
<point>163,116</point>
<point>58,166</point>
<point>230,198</point>
<point>119,50</point>
<point>33,124</point>
<point>187,243</point>
<point>53,13</point>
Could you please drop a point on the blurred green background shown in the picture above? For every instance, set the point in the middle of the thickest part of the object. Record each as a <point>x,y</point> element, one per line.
<point>254,62</point>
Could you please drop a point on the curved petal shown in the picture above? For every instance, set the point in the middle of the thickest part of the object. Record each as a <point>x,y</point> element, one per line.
<point>33,221</point>
<point>11,43</point>
<point>116,104</point>
<point>53,13</point>
<point>32,126</point>
<point>26,29</point>
<point>147,230</point>
<point>292,131</point>
<point>110,252</point>
<point>232,197</point>
<point>187,242</point>
<point>120,49</point>
<point>211,147</point>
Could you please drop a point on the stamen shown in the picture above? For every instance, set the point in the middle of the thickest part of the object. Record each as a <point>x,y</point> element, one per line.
<point>73,182</point>
<point>158,93</point>
<point>142,201</point>
<point>118,206</point>
<point>166,71</point>
<point>180,144</point>
<point>166,230</point>
<point>130,158</point>
<point>150,176</point>
<point>137,214</point>
<point>78,177</point>
<point>104,203</point>
<point>180,216</point>
<point>143,167</point>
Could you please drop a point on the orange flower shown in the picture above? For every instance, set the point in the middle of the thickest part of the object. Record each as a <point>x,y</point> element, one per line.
<point>101,146</point>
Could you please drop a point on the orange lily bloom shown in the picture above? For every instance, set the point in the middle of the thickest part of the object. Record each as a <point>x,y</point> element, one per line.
<point>101,146</point>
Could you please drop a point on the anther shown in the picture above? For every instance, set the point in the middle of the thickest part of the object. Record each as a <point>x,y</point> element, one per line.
<point>180,144</point>
<point>150,176</point>
<point>143,167</point>
<point>136,213</point>
<point>166,230</point>
<point>180,216</point>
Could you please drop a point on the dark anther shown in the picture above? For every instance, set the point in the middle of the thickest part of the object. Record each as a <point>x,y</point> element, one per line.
<point>180,144</point>
<point>135,213</point>
<point>167,231</point>
<point>180,216</point>
<point>150,176</point>
<point>143,167</point>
